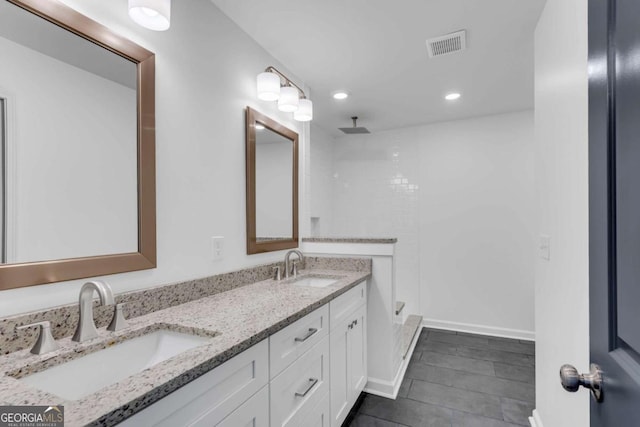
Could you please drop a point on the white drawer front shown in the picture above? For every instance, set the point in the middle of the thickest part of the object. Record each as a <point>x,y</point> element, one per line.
<point>286,345</point>
<point>253,413</point>
<point>208,399</point>
<point>300,387</point>
<point>341,307</point>
<point>318,416</point>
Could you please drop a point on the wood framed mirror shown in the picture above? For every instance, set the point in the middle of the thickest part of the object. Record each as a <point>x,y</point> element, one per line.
<point>83,203</point>
<point>272,184</point>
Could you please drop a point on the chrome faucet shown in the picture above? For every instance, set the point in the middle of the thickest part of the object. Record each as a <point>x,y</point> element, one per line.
<point>86,327</point>
<point>287,269</point>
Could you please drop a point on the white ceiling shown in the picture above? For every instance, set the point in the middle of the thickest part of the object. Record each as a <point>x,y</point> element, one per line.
<point>376,50</point>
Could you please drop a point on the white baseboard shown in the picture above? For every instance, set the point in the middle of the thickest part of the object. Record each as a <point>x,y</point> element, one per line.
<point>390,389</point>
<point>381,388</point>
<point>535,420</point>
<point>479,329</point>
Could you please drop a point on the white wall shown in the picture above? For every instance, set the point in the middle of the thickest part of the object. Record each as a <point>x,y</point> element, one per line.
<point>561,126</point>
<point>459,196</point>
<point>205,77</point>
<point>69,159</point>
<point>477,223</point>
<point>321,181</point>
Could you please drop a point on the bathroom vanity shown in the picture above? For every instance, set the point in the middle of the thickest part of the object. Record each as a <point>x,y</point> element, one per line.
<point>288,379</point>
<point>272,353</point>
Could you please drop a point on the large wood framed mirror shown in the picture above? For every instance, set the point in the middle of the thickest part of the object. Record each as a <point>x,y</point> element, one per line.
<point>77,132</point>
<point>272,184</point>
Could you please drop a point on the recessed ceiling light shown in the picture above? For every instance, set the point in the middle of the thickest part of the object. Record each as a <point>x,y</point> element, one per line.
<point>259,126</point>
<point>452,96</point>
<point>341,94</point>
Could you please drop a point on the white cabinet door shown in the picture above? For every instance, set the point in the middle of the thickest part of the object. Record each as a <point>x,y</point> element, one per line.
<point>340,379</point>
<point>252,413</point>
<point>348,363</point>
<point>358,354</point>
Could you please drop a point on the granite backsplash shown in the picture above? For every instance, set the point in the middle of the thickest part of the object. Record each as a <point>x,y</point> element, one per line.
<point>64,319</point>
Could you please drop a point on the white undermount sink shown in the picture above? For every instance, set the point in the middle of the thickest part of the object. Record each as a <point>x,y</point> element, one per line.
<point>314,281</point>
<point>80,377</point>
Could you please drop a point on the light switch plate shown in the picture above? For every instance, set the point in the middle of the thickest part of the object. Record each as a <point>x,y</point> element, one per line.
<point>217,248</point>
<point>545,247</point>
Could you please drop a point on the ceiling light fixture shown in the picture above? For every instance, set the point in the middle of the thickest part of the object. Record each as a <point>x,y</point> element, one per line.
<point>340,95</point>
<point>259,126</point>
<point>452,96</point>
<point>272,85</point>
<point>151,14</point>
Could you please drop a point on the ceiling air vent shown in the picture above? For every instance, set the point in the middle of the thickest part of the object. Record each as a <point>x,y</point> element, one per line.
<point>447,44</point>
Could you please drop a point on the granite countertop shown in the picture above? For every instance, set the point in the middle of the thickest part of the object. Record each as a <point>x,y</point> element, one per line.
<point>234,320</point>
<point>350,239</point>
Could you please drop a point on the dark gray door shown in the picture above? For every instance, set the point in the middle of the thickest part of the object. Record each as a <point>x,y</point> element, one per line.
<point>614,208</point>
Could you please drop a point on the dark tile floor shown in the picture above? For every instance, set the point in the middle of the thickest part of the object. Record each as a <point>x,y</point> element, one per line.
<point>458,380</point>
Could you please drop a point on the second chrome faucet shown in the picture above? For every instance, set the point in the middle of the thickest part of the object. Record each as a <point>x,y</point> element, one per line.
<point>291,270</point>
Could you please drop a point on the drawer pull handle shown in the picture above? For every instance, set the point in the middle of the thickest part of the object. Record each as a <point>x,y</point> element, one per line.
<point>307,336</point>
<point>312,383</point>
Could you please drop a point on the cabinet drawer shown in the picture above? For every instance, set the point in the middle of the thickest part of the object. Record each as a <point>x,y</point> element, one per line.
<point>208,399</point>
<point>286,345</point>
<point>341,307</point>
<point>252,413</point>
<point>318,416</point>
<point>300,387</point>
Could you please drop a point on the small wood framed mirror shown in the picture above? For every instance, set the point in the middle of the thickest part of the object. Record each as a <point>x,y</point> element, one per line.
<point>272,184</point>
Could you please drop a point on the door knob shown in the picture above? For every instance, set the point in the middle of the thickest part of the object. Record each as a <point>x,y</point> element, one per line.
<point>572,380</point>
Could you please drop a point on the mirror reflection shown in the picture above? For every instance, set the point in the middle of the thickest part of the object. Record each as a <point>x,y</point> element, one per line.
<point>274,183</point>
<point>69,135</point>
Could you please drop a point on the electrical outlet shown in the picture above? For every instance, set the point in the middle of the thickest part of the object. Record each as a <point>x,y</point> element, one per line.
<point>217,248</point>
<point>545,247</point>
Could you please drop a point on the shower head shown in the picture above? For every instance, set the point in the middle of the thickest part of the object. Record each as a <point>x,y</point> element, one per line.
<point>355,129</point>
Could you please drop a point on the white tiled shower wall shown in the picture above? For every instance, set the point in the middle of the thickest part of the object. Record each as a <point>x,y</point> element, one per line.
<point>459,196</point>
<point>321,182</point>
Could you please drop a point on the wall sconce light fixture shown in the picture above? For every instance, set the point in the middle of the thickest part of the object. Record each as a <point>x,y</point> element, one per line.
<point>151,14</point>
<point>275,86</point>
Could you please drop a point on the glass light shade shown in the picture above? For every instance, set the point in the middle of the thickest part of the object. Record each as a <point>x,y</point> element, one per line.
<point>289,99</point>
<point>152,14</point>
<point>268,86</point>
<point>305,111</point>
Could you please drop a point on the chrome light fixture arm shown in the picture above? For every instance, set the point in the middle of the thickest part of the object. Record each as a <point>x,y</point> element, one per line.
<point>287,81</point>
